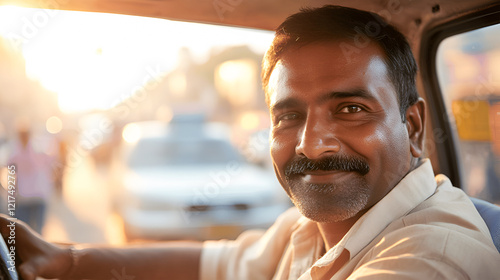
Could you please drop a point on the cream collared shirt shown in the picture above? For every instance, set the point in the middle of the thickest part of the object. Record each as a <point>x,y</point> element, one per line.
<point>423,229</point>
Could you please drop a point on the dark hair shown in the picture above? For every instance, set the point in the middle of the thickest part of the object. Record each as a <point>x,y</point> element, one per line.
<point>333,23</point>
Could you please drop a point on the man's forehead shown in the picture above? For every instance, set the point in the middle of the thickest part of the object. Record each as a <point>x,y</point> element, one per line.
<point>275,82</point>
<point>317,69</point>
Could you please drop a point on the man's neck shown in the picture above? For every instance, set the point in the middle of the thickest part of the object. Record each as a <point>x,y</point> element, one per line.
<point>332,233</point>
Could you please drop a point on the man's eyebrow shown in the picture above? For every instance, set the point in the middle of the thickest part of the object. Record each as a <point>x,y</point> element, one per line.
<point>285,103</point>
<point>293,102</point>
<point>346,94</point>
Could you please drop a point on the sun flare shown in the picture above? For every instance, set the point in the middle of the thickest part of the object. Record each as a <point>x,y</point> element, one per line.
<point>95,60</point>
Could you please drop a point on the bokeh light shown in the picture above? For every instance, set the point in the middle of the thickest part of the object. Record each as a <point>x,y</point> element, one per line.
<point>54,125</point>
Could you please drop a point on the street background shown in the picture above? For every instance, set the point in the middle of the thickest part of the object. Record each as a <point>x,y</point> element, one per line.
<point>83,213</point>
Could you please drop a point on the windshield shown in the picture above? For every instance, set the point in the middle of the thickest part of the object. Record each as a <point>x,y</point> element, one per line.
<point>104,94</point>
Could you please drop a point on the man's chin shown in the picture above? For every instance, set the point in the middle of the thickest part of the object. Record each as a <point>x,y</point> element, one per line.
<point>331,215</point>
<point>324,207</point>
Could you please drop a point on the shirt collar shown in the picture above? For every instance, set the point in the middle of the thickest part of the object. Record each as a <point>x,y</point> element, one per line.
<point>413,189</point>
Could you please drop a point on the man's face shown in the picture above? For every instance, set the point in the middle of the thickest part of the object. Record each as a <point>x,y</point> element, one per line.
<point>337,139</point>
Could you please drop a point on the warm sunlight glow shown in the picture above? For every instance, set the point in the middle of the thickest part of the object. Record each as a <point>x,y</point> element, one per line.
<point>249,121</point>
<point>131,133</point>
<point>10,16</point>
<point>237,81</point>
<point>178,84</point>
<point>164,114</point>
<point>95,60</point>
<point>231,70</point>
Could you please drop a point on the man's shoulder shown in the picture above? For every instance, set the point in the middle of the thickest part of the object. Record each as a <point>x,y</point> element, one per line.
<point>434,246</point>
<point>448,205</point>
<point>448,208</point>
<point>445,227</point>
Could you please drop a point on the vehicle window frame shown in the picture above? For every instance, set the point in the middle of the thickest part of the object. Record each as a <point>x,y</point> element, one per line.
<point>447,148</point>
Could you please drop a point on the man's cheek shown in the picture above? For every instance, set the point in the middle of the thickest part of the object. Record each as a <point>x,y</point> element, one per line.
<point>279,151</point>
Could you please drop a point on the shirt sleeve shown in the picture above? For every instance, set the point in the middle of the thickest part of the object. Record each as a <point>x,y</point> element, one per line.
<point>255,254</point>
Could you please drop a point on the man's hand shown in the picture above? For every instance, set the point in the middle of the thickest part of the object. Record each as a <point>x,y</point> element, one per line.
<point>36,256</point>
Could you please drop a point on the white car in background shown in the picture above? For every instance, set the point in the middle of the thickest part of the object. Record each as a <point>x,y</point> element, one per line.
<point>185,180</point>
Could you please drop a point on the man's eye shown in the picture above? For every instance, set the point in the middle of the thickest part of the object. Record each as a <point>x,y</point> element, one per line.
<point>288,117</point>
<point>351,109</point>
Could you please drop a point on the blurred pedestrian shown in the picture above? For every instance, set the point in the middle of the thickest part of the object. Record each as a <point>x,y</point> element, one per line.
<point>59,167</point>
<point>34,180</point>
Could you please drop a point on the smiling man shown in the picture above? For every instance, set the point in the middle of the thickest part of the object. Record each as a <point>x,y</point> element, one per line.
<point>337,130</point>
<point>347,146</point>
<point>347,138</point>
<point>341,139</point>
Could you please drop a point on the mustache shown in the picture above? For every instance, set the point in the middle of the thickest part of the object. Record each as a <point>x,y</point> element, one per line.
<point>300,165</point>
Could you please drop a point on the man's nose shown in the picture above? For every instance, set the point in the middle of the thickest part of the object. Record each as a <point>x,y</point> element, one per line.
<point>317,139</point>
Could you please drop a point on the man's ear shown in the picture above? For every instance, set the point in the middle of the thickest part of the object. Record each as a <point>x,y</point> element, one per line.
<point>415,123</point>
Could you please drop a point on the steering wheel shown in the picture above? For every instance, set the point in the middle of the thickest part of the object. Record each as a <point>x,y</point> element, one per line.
<point>7,264</point>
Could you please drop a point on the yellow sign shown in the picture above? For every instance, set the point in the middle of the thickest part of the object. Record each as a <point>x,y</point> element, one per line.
<point>473,119</point>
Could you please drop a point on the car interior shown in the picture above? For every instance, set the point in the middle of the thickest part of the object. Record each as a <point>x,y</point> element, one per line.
<point>463,130</point>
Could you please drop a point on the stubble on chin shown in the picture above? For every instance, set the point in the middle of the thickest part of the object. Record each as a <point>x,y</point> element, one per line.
<point>329,203</point>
